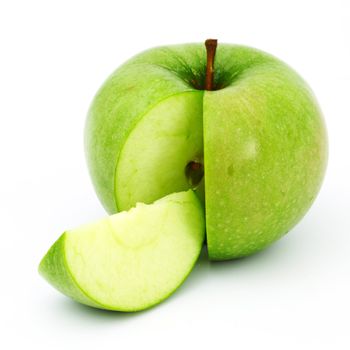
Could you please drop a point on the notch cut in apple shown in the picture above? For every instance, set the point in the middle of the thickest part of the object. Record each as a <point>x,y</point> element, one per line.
<point>164,147</point>
<point>132,260</point>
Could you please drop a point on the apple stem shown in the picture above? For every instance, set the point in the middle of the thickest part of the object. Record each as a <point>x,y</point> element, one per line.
<point>210,45</point>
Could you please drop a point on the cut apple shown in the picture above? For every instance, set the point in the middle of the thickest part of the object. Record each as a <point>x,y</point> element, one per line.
<point>132,260</point>
<point>253,144</point>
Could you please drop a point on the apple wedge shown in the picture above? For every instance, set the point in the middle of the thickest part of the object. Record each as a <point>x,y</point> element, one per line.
<point>132,260</point>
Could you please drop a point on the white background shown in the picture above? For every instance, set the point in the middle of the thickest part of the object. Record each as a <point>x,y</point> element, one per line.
<point>53,57</point>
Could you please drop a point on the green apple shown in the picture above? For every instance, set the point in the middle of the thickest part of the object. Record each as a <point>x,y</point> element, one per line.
<point>131,260</point>
<point>248,137</point>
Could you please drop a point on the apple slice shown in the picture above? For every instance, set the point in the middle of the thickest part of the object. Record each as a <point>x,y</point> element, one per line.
<point>132,260</point>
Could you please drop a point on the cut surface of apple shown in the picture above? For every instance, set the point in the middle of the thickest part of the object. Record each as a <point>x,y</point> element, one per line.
<point>132,260</point>
<point>174,127</point>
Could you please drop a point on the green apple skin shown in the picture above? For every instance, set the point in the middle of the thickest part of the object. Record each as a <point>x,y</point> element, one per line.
<point>264,141</point>
<point>132,260</point>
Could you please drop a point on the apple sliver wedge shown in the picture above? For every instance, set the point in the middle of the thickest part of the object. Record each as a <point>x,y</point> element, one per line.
<point>132,260</point>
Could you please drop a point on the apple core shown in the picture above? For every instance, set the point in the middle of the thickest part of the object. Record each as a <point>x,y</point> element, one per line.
<point>194,172</point>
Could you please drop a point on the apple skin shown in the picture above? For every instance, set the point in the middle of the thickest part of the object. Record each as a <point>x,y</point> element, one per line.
<point>55,270</point>
<point>271,158</point>
<point>265,142</point>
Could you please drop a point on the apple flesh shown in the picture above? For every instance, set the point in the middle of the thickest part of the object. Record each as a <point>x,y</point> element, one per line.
<point>175,130</point>
<point>132,260</point>
<point>260,132</point>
